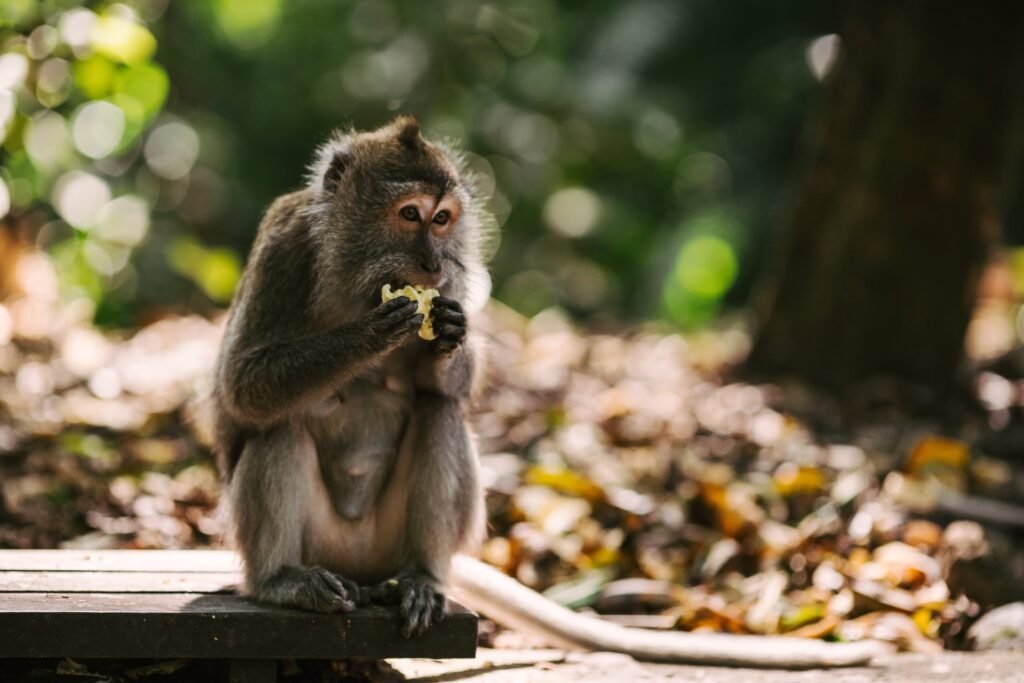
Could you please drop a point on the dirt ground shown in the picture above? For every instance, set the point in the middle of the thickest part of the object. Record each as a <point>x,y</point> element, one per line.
<point>549,666</point>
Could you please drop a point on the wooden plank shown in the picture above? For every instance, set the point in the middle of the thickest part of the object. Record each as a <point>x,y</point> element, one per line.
<point>117,582</point>
<point>213,626</point>
<point>121,560</point>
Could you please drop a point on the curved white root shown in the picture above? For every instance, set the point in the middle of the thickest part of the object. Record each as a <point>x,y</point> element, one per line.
<point>488,591</point>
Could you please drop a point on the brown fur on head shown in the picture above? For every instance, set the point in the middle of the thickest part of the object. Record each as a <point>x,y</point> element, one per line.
<point>389,207</point>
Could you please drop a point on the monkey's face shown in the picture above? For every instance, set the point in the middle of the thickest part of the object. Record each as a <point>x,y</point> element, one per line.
<point>401,207</point>
<point>423,224</point>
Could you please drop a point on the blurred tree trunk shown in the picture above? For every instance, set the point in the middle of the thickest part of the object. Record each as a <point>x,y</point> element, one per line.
<point>902,198</point>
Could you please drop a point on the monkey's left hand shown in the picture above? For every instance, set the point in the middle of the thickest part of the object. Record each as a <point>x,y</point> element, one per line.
<point>419,601</point>
<point>449,324</point>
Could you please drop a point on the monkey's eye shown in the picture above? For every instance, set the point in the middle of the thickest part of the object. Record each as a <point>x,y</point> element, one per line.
<point>441,218</point>
<point>410,213</point>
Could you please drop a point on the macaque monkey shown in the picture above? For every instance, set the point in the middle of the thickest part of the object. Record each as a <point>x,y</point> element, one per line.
<point>351,475</point>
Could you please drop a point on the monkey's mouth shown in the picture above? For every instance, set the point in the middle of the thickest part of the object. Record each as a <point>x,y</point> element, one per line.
<point>422,280</point>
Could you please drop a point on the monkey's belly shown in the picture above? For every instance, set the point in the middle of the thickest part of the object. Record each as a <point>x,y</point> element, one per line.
<point>357,515</point>
<point>368,549</point>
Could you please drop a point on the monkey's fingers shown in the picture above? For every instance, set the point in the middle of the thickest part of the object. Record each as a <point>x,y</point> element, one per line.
<point>440,610</point>
<point>394,304</point>
<point>451,333</point>
<point>448,315</point>
<point>360,595</point>
<point>417,619</point>
<point>419,606</point>
<point>395,314</point>
<point>324,592</point>
<point>446,303</point>
<point>399,324</point>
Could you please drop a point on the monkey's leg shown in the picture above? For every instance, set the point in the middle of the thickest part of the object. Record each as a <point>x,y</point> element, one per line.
<point>269,491</point>
<point>444,509</point>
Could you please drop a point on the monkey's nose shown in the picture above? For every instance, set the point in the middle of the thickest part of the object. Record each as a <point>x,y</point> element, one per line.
<point>430,267</point>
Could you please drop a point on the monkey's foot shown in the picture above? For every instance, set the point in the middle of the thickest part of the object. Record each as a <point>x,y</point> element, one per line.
<point>312,588</point>
<point>420,602</point>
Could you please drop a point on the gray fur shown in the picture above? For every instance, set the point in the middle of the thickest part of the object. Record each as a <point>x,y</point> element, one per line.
<point>340,431</point>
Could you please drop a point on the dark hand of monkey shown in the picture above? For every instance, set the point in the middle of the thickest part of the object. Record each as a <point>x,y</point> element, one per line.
<point>315,589</point>
<point>394,320</point>
<point>449,324</point>
<point>420,602</point>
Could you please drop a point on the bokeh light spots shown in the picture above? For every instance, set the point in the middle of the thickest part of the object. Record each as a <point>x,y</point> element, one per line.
<point>48,141</point>
<point>95,76</point>
<point>146,83</point>
<point>821,55</point>
<point>706,266</point>
<point>121,39</point>
<point>13,69</point>
<point>53,82</point>
<point>79,196</point>
<point>124,220</point>
<point>171,150</point>
<point>572,212</point>
<point>215,271</point>
<point>705,269</point>
<point>248,23</point>
<point>657,134</point>
<point>75,28</point>
<point>5,198</point>
<point>97,128</point>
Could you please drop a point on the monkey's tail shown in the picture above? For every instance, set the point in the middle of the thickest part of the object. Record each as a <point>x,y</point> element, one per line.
<point>486,590</point>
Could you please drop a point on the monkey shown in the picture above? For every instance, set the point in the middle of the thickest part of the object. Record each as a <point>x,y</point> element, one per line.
<point>350,471</point>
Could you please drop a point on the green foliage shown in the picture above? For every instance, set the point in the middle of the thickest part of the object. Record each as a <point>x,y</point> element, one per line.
<point>215,271</point>
<point>82,93</point>
<point>633,152</point>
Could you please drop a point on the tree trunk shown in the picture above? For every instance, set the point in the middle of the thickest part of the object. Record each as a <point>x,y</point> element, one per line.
<point>902,198</point>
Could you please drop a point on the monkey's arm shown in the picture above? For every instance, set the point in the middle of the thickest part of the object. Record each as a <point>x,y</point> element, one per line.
<point>447,365</point>
<point>485,589</point>
<point>449,375</point>
<point>267,381</point>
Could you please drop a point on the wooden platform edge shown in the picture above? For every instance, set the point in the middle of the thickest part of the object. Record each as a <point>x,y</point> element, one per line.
<point>175,603</point>
<point>216,633</point>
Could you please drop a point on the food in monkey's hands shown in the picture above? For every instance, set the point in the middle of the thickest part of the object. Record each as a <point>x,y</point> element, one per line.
<point>422,297</point>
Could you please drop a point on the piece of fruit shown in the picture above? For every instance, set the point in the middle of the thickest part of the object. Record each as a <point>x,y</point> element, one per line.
<point>422,297</point>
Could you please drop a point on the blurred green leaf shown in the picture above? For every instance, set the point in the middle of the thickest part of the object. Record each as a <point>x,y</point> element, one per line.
<point>248,23</point>
<point>122,39</point>
<point>145,83</point>
<point>95,76</point>
<point>216,271</point>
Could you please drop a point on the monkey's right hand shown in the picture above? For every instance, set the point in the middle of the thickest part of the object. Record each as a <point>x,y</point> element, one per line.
<point>393,321</point>
<point>312,588</point>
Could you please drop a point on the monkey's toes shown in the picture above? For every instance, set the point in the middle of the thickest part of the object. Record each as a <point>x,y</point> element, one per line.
<point>323,591</point>
<point>361,595</point>
<point>422,606</point>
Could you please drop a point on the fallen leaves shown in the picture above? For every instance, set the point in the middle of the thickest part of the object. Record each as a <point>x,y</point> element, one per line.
<point>625,475</point>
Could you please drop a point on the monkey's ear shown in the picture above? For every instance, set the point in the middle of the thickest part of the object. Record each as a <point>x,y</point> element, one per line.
<point>409,131</point>
<point>336,167</point>
<point>333,159</point>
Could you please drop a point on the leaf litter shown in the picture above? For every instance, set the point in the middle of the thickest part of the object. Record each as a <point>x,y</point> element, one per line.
<point>627,475</point>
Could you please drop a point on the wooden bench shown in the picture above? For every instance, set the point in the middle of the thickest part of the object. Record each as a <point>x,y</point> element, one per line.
<point>149,604</point>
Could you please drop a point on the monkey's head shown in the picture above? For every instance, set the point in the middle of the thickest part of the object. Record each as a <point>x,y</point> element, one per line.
<point>392,208</point>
